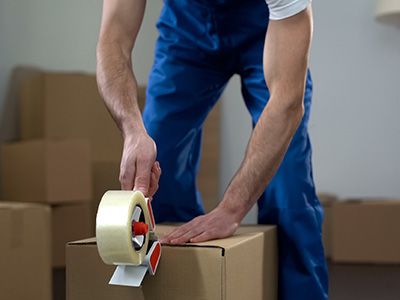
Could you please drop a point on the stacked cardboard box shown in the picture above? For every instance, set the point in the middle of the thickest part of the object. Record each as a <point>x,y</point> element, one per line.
<point>70,150</point>
<point>240,267</point>
<point>56,173</point>
<point>62,105</point>
<point>52,163</point>
<point>59,105</point>
<point>25,260</point>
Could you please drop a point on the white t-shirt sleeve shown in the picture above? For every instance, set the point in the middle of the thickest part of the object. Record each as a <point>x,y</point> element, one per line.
<point>281,9</point>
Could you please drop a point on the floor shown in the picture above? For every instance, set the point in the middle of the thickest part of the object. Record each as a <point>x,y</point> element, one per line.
<point>364,282</point>
<point>347,282</point>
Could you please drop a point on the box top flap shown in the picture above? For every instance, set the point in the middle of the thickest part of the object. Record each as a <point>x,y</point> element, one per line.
<point>243,234</point>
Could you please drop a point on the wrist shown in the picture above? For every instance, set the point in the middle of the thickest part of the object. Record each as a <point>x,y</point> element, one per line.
<point>132,126</point>
<point>234,204</point>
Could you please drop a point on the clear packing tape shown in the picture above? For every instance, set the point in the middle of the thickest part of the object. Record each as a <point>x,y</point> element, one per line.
<point>125,236</point>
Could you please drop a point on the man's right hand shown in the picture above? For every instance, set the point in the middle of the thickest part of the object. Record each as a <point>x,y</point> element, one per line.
<point>139,170</point>
<point>120,25</point>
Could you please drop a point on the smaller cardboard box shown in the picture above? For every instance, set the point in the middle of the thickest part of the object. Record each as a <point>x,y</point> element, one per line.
<point>25,260</point>
<point>53,172</point>
<point>366,231</point>
<point>240,267</point>
<point>69,223</point>
<point>327,201</point>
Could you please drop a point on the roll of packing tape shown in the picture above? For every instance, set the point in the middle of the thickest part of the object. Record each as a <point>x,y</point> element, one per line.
<point>116,242</point>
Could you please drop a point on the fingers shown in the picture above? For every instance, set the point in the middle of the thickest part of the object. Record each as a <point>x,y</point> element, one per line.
<point>181,230</point>
<point>218,223</point>
<point>204,236</point>
<point>127,174</point>
<point>155,177</point>
<point>188,236</point>
<point>143,174</point>
<point>136,171</point>
<point>184,233</point>
<point>148,186</point>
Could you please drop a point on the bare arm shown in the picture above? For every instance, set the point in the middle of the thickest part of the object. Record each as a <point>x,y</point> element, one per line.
<point>120,25</point>
<point>286,54</point>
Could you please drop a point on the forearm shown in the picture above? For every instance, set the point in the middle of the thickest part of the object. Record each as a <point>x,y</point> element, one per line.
<point>266,149</point>
<point>120,25</point>
<point>118,87</point>
<point>285,67</point>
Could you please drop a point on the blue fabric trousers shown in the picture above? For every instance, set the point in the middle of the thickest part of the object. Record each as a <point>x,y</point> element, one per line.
<point>201,45</point>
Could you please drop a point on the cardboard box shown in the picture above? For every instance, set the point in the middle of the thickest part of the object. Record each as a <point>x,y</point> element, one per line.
<point>25,261</point>
<point>366,231</point>
<point>240,267</point>
<point>327,201</point>
<point>52,172</point>
<point>208,177</point>
<point>69,223</point>
<point>63,105</point>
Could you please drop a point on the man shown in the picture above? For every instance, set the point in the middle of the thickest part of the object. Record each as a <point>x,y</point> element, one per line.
<point>202,43</point>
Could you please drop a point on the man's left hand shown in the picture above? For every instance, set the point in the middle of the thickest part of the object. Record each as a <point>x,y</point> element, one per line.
<point>219,223</point>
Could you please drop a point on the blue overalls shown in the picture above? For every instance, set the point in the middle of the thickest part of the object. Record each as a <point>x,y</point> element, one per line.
<point>201,45</point>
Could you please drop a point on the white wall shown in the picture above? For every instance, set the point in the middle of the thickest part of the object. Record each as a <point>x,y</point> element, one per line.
<point>355,63</point>
<point>355,125</point>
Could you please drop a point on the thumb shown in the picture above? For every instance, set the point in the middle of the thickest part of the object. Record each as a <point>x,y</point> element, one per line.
<point>142,177</point>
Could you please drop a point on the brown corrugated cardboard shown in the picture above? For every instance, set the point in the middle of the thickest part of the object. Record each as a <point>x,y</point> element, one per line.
<point>366,231</point>
<point>47,171</point>
<point>208,177</point>
<point>240,267</point>
<point>69,223</point>
<point>62,105</point>
<point>327,201</point>
<point>25,260</point>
